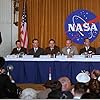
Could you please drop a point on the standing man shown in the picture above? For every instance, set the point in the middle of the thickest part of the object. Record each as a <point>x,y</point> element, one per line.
<point>69,49</point>
<point>87,48</point>
<point>18,48</point>
<point>52,49</point>
<point>36,50</point>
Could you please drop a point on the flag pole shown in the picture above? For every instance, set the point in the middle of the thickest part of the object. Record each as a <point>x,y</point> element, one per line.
<point>24,4</point>
<point>23,33</point>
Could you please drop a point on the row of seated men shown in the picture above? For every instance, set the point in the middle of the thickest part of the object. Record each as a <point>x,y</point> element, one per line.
<point>53,49</point>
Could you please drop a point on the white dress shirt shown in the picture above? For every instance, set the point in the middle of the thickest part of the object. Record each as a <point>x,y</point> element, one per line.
<point>35,49</point>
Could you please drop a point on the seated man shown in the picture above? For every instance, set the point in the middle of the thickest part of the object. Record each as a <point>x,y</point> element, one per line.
<point>87,48</point>
<point>18,48</point>
<point>7,88</point>
<point>69,49</point>
<point>52,49</point>
<point>36,50</point>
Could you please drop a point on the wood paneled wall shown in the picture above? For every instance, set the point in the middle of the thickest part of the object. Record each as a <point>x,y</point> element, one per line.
<point>46,19</point>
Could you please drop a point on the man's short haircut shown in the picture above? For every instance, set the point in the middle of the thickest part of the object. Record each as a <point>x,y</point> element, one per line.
<point>51,40</point>
<point>80,88</point>
<point>69,40</point>
<point>85,39</point>
<point>94,86</point>
<point>53,85</point>
<point>17,41</point>
<point>2,62</point>
<point>34,40</point>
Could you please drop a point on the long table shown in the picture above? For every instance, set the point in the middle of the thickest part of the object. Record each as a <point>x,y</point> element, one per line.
<point>36,70</point>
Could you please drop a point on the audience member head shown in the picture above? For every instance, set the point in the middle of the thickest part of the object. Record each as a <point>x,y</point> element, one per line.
<point>66,83</point>
<point>51,43</point>
<point>53,85</point>
<point>68,43</point>
<point>80,89</point>
<point>87,42</point>
<point>94,86</point>
<point>95,74</point>
<point>89,96</point>
<point>35,43</point>
<point>18,44</point>
<point>28,94</point>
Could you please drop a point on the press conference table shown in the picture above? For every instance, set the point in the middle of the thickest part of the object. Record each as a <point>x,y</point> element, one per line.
<point>36,70</point>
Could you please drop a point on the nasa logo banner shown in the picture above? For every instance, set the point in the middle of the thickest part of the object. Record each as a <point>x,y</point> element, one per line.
<point>81,24</point>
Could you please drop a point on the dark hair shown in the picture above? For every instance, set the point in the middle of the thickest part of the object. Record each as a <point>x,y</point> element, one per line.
<point>80,88</point>
<point>94,86</point>
<point>17,41</point>
<point>69,40</point>
<point>51,40</point>
<point>53,85</point>
<point>34,40</point>
<point>2,62</point>
<point>86,38</point>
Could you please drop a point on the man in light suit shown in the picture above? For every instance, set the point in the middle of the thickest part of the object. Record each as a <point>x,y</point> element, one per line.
<point>36,50</point>
<point>69,49</point>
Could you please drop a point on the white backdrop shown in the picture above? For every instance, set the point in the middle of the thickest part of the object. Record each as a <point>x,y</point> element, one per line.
<point>8,30</point>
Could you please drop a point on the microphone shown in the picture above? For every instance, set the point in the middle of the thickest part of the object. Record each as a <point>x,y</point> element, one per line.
<point>50,73</point>
<point>9,69</point>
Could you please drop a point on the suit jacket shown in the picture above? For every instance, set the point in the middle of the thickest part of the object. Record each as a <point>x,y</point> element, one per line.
<point>39,52</point>
<point>7,89</point>
<point>15,51</point>
<point>73,50</point>
<point>53,51</point>
<point>83,50</point>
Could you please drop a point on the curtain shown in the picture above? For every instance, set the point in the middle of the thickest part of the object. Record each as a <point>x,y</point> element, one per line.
<point>46,19</point>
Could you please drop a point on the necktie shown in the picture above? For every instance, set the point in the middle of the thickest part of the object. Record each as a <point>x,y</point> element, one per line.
<point>35,49</point>
<point>68,50</point>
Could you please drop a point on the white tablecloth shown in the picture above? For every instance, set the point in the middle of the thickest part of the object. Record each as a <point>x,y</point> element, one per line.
<point>75,58</point>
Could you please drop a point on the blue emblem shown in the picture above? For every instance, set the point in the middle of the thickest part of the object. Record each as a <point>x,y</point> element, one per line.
<point>81,24</point>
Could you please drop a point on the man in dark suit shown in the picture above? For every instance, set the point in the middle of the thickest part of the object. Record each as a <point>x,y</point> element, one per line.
<point>7,88</point>
<point>18,48</point>
<point>36,50</point>
<point>52,49</point>
<point>87,48</point>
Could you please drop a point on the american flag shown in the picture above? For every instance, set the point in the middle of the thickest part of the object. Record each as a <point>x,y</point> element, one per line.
<point>23,33</point>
